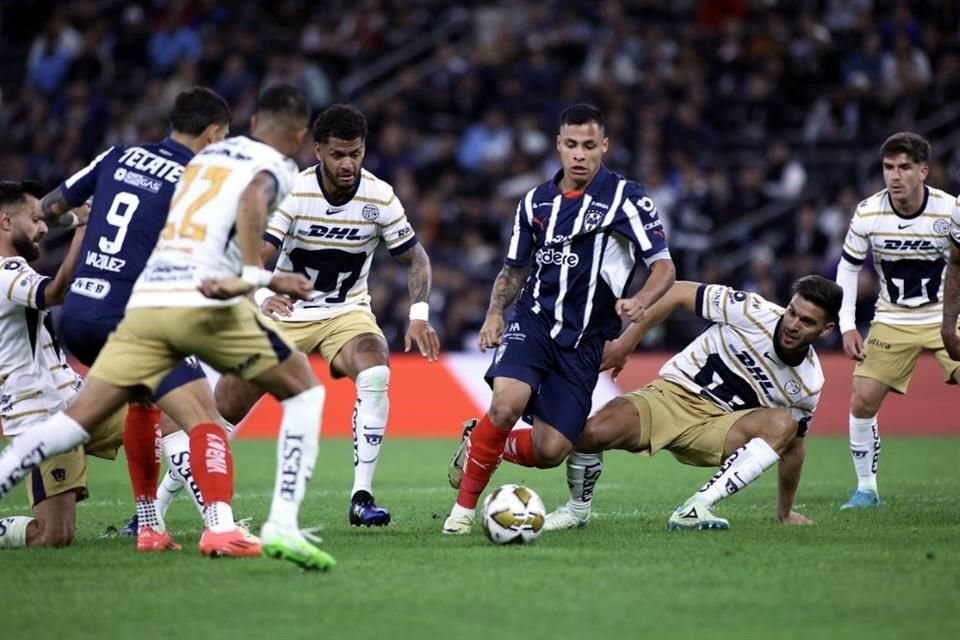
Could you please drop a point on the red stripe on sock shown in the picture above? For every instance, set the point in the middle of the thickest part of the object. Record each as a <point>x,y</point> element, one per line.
<point>486,448</point>
<point>211,462</point>
<point>519,448</point>
<point>141,443</point>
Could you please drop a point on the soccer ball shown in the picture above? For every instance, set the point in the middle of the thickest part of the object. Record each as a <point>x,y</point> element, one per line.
<point>513,514</point>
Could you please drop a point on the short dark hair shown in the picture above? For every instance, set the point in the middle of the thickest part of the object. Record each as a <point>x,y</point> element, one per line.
<point>823,292</point>
<point>13,191</point>
<point>912,144</point>
<point>197,108</point>
<point>582,114</point>
<point>340,121</point>
<point>285,101</point>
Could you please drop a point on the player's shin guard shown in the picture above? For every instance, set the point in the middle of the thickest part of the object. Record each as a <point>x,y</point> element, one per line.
<point>865,451</point>
<point>141,443</point>
<point>742,467</point>
<point>56,434</point>
<point>296,454</point>
<point>212,466</point>
<point>176,449</point>
<point>583,471</point>
<point>518,448</point>
<point>486,449</point>
<point>369,424</point>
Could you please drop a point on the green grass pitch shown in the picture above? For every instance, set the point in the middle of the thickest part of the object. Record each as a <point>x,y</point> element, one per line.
<point>889,573</point>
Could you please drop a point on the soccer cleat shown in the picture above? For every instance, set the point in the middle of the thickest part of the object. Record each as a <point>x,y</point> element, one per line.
<point>458,525</point>
<point>566,518</point>
<point>130,529</point>
<point>237,543</point>
<point>293,545</point>
<point>149,541</point>
<point>455,468</point>
<point>364,511</point>
<point>695,515</point>
<point>862,499</point>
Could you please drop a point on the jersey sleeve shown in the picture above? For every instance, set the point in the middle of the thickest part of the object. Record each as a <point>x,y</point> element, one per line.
<point>21,285</point>
<point>79,187</point>
<point>281,221</point>
<point>722,304</point>
<point>857,242</point>
<point>639,221</point>
<point>521,239</point>
<point>955,223</point>
<point>803,413</point>
<point>395,229</point>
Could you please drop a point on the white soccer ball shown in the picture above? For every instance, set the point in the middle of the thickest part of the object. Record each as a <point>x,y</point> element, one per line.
<point>513,514</point>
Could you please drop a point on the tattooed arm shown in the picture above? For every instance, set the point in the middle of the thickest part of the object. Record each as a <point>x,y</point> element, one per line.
<point>951,304</point>
<point>506,287</point>
<point>418,281</point>
<point>57,211</point>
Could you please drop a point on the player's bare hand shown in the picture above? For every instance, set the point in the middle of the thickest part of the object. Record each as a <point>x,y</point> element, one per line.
<point>614,357</point>
<point>277,306</point>
<point>632,308</point>
<point>853,345</point>
<point>294,285</point>
<point>425,337</point>
<point>491,331</point>
<point>83,214</point>
<point>223,288</point>
<point>796,519</point>
<point>951,342</point>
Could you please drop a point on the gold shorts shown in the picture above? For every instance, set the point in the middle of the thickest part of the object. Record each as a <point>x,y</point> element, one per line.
<point>891,353</point>
<point>328,336</point>
<point>149,342</point>
<point>68,471</point>
<point>693,429</point>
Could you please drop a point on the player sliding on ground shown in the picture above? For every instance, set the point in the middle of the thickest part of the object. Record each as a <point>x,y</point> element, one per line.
<point>740,396</point>
<point>191,299</point>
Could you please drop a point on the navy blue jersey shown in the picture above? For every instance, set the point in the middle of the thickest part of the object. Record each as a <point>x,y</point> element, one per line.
<point>586,250</point>
<point>131,189</point>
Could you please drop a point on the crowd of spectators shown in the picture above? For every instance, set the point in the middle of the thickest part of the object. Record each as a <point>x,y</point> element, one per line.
<point>754,125</point>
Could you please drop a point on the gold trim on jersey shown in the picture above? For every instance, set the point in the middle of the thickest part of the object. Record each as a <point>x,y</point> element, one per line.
<point>333,220</point>
<point>22,414</point>
<point>14,282</point>
<point>335,243</point>
<point>859,235</point>
<point>65,385</point>
<point>284,213</point>
<point>932,253</point>
<point>900,234</point>
<point>29,395</point>
<point>871,214</point>
<point>382,203</point>
<point>853,252</point>
<point>33,291</point>
<point>282,234</point>
<point>930,307</point>
<point>723,307</point>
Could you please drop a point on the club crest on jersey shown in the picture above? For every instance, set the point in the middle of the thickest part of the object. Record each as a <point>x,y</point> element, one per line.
<point>941,227</point>
<point>592,220</point>
<point>792,387</point>
<point>370,212</point>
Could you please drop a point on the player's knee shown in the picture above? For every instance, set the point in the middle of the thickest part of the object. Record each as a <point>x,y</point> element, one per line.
<point>230,403</point>
<point>782,428</point>
<point>551,453</point>
<point>503,415</point>
<point>862,405</point>
<point>373,381</point>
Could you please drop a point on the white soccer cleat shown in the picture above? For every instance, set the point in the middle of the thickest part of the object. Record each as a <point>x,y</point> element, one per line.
<point>458,525</point>
<point>566,518</point>
<point>459,459</point>
<point>695,515</point>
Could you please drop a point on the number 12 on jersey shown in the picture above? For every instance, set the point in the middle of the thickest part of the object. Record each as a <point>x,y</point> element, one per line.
<point>215,177</point>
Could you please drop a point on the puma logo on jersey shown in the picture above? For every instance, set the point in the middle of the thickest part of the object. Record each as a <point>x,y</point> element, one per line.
<point>890,244</point>
<point>334,233</point>
<point>104,263</point>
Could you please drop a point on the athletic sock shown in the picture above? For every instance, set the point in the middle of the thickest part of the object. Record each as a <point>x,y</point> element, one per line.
<point>865,451</point>
<point>740,469</point>
<point>486,449</point>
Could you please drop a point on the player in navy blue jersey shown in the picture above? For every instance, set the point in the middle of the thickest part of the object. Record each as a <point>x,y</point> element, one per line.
<point>131,188</point>
<point>586,230</point>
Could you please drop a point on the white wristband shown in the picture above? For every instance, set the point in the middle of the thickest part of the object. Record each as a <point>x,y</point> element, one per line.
<point>256,276</point>
<point>420,311</point>
<point>67,220</point>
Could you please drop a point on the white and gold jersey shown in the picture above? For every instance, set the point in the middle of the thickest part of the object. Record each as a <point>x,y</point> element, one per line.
<point>736,362</point>
<point>909,254</point>
<point>333,245</point>
<point>199,239</point>
<point>35,380</point>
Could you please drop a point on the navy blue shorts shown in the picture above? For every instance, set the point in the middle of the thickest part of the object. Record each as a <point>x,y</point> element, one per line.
<point>85,340</point>
<point>562,379</point>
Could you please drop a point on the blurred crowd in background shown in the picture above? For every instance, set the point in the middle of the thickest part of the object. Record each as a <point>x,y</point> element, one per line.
<point>754,125</point>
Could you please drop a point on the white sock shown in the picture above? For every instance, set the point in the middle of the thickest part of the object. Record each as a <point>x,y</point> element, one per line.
<point>149,516</point>
<point>176,448</point>
<point>583,471</point>
<point>13,531</point>
<point>56,434</point>
<point>462,511</point>
<point>369,423</point>
<point>742,467</point>
<point>296,454</point>
<point>218,517</point>
<point>865,451</point>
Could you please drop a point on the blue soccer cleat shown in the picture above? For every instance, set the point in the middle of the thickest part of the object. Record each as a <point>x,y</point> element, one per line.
<point>364,511</point>
<point>862,499</point>
<point>131,529</point>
